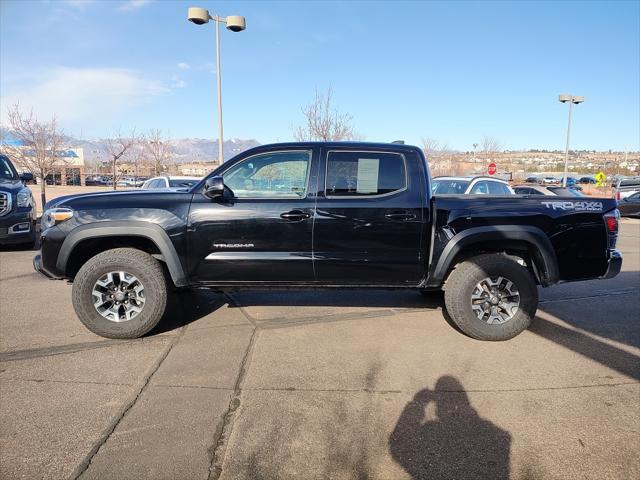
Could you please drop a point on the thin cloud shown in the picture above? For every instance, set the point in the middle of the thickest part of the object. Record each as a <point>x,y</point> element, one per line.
<point>131,5</point>
<point>177,82</point>
<point>79,4</point>
<point>82,95</point>
<point>184,66</point>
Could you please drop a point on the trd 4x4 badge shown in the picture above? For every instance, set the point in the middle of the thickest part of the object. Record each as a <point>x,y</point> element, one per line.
<point>576,206</point>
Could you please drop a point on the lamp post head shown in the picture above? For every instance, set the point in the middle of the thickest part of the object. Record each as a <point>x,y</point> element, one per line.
<point>236,23</point>
<point>198,15</point>
<point>565,97</point>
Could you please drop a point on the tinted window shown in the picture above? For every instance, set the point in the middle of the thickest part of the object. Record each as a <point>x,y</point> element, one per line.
<point>480,188</point>
<point>5,168</point>
<point>157,183</point>
<point>630,183</point>
<point>357,174</point>
<point>524,190</point>
<point>270,175</point>
<point>449,187</point>
<point>497,188</point>
<point>566,192</point>
<point>184,183</point>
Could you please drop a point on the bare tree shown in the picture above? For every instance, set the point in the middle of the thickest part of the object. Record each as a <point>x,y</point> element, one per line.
<point>40,145</point>
<point>432,148</point>
<point>159,150</point>
<point>439,155</point>
<point>491,144</point>
<point>324,122</point>
<point>118,147</point>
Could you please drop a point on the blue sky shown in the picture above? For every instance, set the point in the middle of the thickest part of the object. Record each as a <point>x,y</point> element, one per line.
<point>452,71</point>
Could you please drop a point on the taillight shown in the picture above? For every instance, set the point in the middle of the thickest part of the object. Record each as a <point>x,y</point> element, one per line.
<point>611,221</point>
<point>618,196</point>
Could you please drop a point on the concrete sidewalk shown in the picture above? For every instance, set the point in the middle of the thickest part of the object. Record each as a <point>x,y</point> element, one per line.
<point>321,385</point>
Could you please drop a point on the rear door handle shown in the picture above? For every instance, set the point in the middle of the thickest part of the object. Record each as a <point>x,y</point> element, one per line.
<point>400,215</point>
<point>295,215</point>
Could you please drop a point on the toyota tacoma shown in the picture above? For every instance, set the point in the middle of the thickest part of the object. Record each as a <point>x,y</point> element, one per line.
<point>323,215</point>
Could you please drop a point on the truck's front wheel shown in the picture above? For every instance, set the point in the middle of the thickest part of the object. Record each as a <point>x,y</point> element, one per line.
<point>491,297</point>
<point>120,293</point>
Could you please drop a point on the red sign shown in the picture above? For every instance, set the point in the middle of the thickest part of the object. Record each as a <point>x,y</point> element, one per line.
<point>492,169</point>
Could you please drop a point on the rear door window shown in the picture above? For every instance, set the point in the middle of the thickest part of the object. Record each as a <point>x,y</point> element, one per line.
<point>480,188</point>
<point>497,188</point>
<point>363,174</point>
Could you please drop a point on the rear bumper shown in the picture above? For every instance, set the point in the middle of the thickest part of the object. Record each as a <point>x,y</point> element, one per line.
<point>614,264</point>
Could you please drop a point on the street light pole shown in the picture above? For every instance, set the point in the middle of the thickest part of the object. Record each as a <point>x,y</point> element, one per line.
<point>235,23</point>
<point>566,148</point>
<point>564,98</point>
<point>219,80</point>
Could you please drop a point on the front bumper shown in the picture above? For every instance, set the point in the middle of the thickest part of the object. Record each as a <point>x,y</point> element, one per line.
<point>51,240</point>
<point>614,264</point>
<point>37,265</point>
<point>9,227</point>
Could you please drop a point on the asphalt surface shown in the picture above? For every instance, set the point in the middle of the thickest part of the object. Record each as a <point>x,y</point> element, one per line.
<point>340,385</point>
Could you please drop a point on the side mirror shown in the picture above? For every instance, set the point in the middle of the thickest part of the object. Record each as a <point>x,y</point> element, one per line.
<point>26,177</point>
<point>214,188</point>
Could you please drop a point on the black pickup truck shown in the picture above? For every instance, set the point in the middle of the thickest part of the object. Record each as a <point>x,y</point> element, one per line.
<point>323,215</point>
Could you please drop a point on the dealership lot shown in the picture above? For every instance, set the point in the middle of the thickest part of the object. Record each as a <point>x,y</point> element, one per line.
<point>321,385</point>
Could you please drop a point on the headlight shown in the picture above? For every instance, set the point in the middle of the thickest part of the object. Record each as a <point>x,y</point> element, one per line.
<point>54,216</point>
<point>24,198</point>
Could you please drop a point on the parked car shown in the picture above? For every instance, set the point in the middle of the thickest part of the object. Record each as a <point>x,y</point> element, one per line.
<point>470,185</point>
<point>170,182</point>
<point>548,190</point>
<point>630,206</point>
<point>532,180</point>
<point>566,191</point>
<point>28,178</point>
<point>96,181</point>
<point>130,182</point>
<point>587,180</point>
<point>625,187</point>
<point>236,229</point>
<point>17,208</point>
<point>549,180</point>
<point>571,182</point>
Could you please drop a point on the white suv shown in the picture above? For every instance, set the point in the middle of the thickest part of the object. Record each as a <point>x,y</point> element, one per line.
<point>170,182</point>
<point>470,185</point>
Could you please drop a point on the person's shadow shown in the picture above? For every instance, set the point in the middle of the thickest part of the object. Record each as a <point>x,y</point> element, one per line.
<point>455,444</point>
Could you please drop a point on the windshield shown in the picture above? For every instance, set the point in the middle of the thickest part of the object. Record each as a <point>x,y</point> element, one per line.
<point>182,183</point>
<point>449,187</point>
<point>7,171</point>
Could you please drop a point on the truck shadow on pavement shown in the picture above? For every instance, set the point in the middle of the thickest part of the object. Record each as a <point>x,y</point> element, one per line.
<point>185,307</point>
<point>440,435</point>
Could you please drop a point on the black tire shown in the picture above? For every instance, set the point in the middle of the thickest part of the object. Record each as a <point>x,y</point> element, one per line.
<point>461,283</point>
<point>135,262</point>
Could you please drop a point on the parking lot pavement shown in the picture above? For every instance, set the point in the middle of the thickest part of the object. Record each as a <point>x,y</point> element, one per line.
<point>321,385</point>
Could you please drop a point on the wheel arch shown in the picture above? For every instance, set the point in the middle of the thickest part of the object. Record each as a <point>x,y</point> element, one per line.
<point>97,238</point>
<point>520,240</point>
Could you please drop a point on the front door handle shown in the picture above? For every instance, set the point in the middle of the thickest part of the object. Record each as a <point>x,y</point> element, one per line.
<point>295,215</point>
<point>400,215</point>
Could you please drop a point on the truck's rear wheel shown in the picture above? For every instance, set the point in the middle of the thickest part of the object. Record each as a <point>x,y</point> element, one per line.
<point>491,297</point>
<point>120,293</point>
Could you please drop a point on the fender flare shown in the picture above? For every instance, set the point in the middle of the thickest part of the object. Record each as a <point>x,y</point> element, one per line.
<point>126,228</point>
<point>546,262</point>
